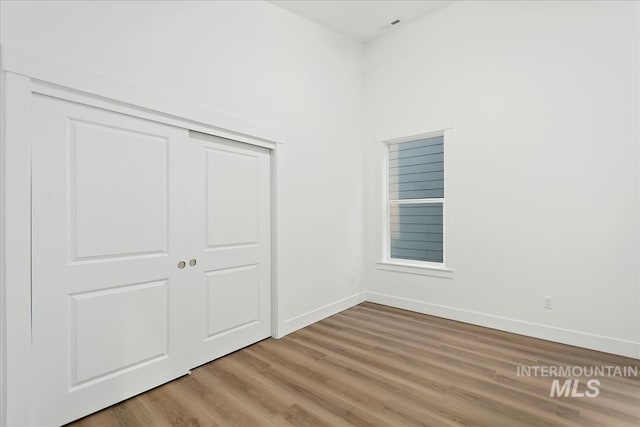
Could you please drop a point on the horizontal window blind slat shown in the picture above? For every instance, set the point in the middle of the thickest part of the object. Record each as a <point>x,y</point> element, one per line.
<point>420,237</point>
<point>416,177</point>
<point>416,228</point>
<point>424,185</point>
<point>418,160</point>
<point>418,255</point>
<point>420,219</point>
<point>417,143</point>
<point>405,217</point>
<point>425,167</point>
<point>418,151</point>
<point>419,209</point>
<point>413,244</point>
<point>408,258</point>
<point>417,194</point>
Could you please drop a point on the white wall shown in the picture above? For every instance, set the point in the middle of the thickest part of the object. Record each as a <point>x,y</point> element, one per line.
<point>542,169</point>
<point>251,60</point>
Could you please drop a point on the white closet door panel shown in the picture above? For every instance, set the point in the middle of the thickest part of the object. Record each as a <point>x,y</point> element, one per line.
<point>103,201</point>
<point>232,231</point>
<point>108,230</point>
<point>227,287</point>
<point>220,258</point>
<point>103,344</point>
<point>232,197</point>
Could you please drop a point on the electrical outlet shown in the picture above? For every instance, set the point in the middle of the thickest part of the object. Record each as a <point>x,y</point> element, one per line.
<point>354,280</point>
<point>547,303</point>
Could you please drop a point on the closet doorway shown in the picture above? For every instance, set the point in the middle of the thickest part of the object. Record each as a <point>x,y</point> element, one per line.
<point>151,254</point>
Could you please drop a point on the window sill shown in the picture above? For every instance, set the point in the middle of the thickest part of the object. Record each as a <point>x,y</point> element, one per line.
<point>398,267</point>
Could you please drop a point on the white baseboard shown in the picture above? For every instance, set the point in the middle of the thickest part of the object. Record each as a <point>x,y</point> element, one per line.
<point>306,319</point>
<point>536,330</point>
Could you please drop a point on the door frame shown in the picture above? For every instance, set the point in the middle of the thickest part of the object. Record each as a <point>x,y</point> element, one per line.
<point>22,75</point>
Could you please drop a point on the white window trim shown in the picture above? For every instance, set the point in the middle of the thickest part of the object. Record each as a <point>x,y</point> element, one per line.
<point>399,265</point>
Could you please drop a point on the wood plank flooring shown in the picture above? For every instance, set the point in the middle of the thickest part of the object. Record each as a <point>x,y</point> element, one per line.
<point>374,365</point>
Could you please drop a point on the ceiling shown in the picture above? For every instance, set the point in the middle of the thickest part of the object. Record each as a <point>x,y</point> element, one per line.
<point>361,20</point>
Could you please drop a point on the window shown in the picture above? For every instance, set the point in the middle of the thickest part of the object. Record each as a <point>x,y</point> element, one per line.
<point>415,202</point>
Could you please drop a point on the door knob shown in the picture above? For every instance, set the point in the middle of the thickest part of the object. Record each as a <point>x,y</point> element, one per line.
<point>192,262</point>
<point>182,264</point>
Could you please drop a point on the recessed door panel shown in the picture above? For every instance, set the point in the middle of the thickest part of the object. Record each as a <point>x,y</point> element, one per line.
<point>119,190</point>
<point>232,197</point>
<point>233,297</point>
<point>117,329</point>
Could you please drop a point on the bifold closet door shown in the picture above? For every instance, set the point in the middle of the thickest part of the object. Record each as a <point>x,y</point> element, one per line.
<point>111,309</point>
<point>230,191</point>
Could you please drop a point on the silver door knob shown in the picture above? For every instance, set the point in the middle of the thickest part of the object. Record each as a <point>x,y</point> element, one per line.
<point>192,262</point>
<point>182,264</point>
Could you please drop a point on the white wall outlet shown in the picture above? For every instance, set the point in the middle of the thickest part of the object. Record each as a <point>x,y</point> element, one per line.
<point>354,280</point>
<point>547,303</point>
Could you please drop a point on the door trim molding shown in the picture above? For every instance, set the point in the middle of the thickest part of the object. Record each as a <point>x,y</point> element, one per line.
<point>24,74</point>
<point>15,238</point>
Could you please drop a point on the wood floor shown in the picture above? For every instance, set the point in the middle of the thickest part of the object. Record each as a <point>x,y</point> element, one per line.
<point>373,365</point>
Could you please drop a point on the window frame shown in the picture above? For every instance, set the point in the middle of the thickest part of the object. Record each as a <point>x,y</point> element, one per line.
<point>406,265</point>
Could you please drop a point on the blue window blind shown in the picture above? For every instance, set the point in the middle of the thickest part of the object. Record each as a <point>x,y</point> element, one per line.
<point>416,194</point>
<point>416,169</point>
<point>416,232</point>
